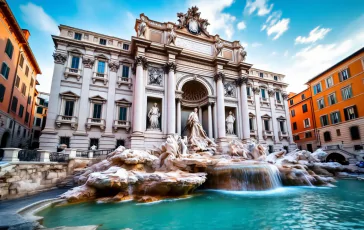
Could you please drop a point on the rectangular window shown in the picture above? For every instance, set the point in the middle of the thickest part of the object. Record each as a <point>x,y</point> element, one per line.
<point>281,125</point>
<point>125,71</point>
<point>335,117</point>
<point>102,41</point>
<point>329,82</point>
<point>261,75</point>
<point>251,124</point>
<point>38,121</point>
<point>64,141</point>
<point>125,46</point>
<point>97,111</point>
<point>122,113</point>
<point>332,99</point>
<point>278,96</point>
<point>24,133</point>
<point>94,141</point>
<point>40,110</point>
<point>27,70</point>
<point>2,92</point>
<point>275,78</point>
<point>263,93</point>
<point>17,81</point>
<point>306,122</point>
<point>75,62</point>
<point>354,133</point>
<point>346,93</point>
<point>308,135</point>
<point>120,142</point>
<point>9,49</point>
<point>296,138</point>
<point>5,70</point>
<point>68,109</point>
<point>338,132</point>
<point>101,67</point>
<point>26,117</point>
<point>294,126</point>
<point>41,101</point>
<point>21,61</point>
<point>317,88</point>
<point>21,111</point>
<point>303,97</point>
<point>29,99</point>
<point>248,91</point>
<point>291,102</point>
<point>344,75</point>
<point>293,113</point>
<point>266,125</point>
<point>351,113</point>
<point>31,82</point>
<point>14,104</point>
<point>309,148</point>
<point>78,36</point>
<point>23,89</point>
<point>321,103</point>
<point>304,108</point>
<point>324,120</point>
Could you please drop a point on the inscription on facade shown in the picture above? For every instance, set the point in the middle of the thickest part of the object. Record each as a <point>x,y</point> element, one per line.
<point>194,46</point>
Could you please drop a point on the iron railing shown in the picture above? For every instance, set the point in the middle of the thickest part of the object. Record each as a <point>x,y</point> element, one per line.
<point>96,153</point>
<point>58,157</point>
<point>28,155</point>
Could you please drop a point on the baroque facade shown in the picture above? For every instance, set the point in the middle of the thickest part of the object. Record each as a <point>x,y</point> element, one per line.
<point>108,91</point>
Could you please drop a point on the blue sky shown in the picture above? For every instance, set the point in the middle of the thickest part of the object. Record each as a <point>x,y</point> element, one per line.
<point>297,38</point>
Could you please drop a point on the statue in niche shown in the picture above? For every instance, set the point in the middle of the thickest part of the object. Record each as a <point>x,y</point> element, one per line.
<point>155,77</point>
<point>197,137</point>
<point>218,46</point>
<point>230,123</point>
<point>172,37</point>
<point>154,117</point>
<point>142,28</point>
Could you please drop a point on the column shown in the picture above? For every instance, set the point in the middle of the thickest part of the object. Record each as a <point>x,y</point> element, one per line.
<point>244,107</point>
<point>220,104</point>
<point>258,116</point>
<point>209,118</point>
<point>110,104</point>
<point>274,116</point>
<point>200,114</point>
<point>288,118</point>
<point>138,97</point>
<point>170,69</point>
<point>179,117</point>
<point>215,120</point>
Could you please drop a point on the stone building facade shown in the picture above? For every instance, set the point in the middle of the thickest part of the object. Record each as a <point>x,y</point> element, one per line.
<point>106,89</point>
<point>40,117</point>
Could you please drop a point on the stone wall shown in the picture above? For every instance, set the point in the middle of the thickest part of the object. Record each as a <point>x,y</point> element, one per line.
<point>19,179</point>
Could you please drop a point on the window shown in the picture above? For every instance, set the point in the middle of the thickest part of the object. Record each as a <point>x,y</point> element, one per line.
<point>291,102</point>
<point>350,113</point>
<point>101,67</point>
<point>9,49</point>
<point>94,141</point>
<point>266,125</point>
<point>97,111</point>
<point>5,70</point>
<point>275,78</point>
<point>251,124</point>
<point>68,109</point>
<point>125,71</point>
<point>324,120</point>
<point>31,82</point>
<point>329,82</point>
<point>306,122</point>
<point>64,141</point>
<point>327,136</point>
<point>332,99</point>
<point>14,104</point>
<point>338,133</point>
<point>293,113</point>
<point>39,110</point>
<point>41,101</point>
<point>278,96</point>
<point>358,147</point>
<point>2,92</point>
<point>321,103</point>
<point>18,131</point>
<point>23,89</point>
<point>78,36</point>
<point>21,111</point>
<point>125,46</point>
<point>354,133</point>
<point>281,126</point>
<point>263,93</point>
<point>21,61</point>
<point>317,88</point>
<point>308,135</point>
<point>304,108</point>
<point>17,81</point>
<point>120,142</point>
<point>303,97</point>
<point>296,137</point>
<point>309,148</point>
<point>11,124</point>
<point>335,117</point>
<point>38,121</point>
<point>24,133</point>
<point>102,41</point>
<point>270,148</point>
<point>344,75</point>
<point>75,62</point>
<point>248,91</point>
<point>261,75</point>
<point>346,92</point>
<point>27,70</point>
<point>26,117</point>
<point>122,113</point>
<point>294,126</point>
<point>29,99</point>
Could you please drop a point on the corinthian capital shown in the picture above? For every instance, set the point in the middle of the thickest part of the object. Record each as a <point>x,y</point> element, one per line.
<point>140,60</point>
<point>270,92</point>
<point>285,96</point>
<point>170,66</point>
<point>256,90</point>
<point>59,58</point>
<point>219,75</point>
<point>241,80</point>
<point>114,66</point>
<point>88,62</point>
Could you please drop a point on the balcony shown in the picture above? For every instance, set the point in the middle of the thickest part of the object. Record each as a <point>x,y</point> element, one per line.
<point>124,81</point>
<point>100,77</point>
<point>72,72</point>
<point>282,135</point>
<point>97,122</point>
<point>121,124</point>
<point>267,133</point>
<point>63,119</point>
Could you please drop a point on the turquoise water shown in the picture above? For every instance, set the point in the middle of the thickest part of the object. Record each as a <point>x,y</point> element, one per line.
<point>340,207</point>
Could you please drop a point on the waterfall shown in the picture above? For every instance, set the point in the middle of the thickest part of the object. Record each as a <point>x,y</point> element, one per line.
<point>244,177</point>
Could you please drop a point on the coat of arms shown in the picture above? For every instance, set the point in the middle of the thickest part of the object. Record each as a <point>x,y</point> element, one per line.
<point>193,22</point>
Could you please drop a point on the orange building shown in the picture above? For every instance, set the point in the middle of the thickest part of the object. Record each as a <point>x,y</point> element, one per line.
<point>19,70</point>
<point>303,120</point>
<point>337,98</point>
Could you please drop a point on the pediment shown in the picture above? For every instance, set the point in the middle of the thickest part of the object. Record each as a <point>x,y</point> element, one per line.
<point>266,116</point>
<point>97,98</point>
<point>251,115</point>
<point>123,101</point>
<point>69,94</point>
<point>281,118</point>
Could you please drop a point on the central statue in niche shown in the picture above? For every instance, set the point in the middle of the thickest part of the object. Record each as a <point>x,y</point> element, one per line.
<point>197,138</point>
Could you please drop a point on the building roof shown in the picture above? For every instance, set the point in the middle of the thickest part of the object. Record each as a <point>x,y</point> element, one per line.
<point>337,64</point>
<point>19,33</point>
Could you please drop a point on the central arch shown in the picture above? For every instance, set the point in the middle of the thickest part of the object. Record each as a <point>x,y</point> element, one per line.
<point>183,80</point>
<point>194,91</point>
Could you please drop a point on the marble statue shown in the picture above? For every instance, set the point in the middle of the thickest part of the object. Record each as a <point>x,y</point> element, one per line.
<point>154,117</point>
<point>197,137</point>
<point>142,28</point>
<point>219,45</point>
<point>243,54</point>
<point>230,123</point>
<point>93,148</point>
<point>172,37</point>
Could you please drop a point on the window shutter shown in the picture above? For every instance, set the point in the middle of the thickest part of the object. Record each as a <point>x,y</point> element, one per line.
<point>340,77</point>
<point>348,71</point>
<point>346,114</point>
<point>2,92</point>
<point>355,111</point>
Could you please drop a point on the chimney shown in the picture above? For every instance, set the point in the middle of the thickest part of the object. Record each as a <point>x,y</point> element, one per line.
<point>26,33</point>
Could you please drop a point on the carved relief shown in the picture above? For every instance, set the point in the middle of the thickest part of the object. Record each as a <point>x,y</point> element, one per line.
<point>88,62</point>
<point>155,76</point>
<point>170,66</point>
<point>114,66</point>
<point>192,21</point>
<point>59,58</point>
<point>219,76</point>
<point>70,33</point>
<point>230,89</point>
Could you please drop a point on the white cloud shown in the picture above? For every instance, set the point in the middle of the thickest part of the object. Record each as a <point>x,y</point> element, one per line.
<point>35,16</point>
<point>213,11</point>
<point>274,53</point>
<point>261,6</point>
<point>315,35</point>
<point>285,53</point>
<point>274,25</point>
<point>256,44</point>
<point>241,25</point>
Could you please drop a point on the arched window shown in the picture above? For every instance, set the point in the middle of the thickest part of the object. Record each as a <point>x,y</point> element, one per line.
<point>327,136</point>
<point>354,132</point>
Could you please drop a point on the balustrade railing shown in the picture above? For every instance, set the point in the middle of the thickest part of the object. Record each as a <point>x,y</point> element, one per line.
<point>58,157</point>
<point>72,72</point>
<point>28,155</point>
<point>94,153</point>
